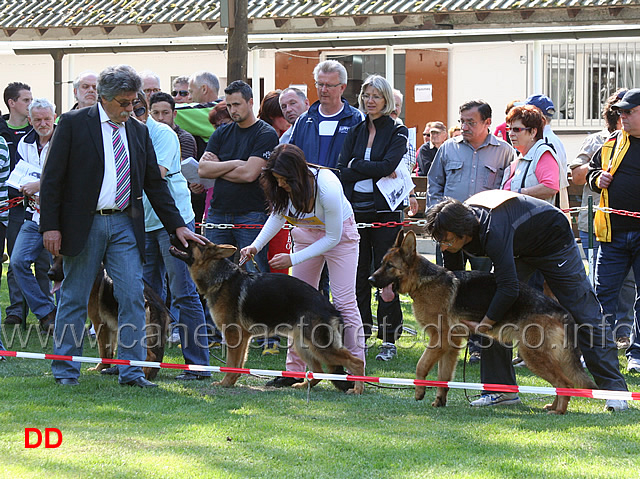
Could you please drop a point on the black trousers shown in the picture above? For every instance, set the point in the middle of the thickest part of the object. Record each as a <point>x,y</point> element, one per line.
<point>374,243</point>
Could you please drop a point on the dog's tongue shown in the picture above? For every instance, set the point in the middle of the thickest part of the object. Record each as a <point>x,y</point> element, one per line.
<point>387,293</point>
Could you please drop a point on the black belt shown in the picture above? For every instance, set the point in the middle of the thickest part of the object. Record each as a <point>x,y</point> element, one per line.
<point>106,212</point>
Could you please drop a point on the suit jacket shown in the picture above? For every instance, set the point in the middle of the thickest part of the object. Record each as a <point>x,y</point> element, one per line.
<point>72,179</point>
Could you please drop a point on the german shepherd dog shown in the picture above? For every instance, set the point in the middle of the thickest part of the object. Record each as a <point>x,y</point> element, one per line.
<point>544,331</point>
<point>247,304</point>
<point>103,313</point>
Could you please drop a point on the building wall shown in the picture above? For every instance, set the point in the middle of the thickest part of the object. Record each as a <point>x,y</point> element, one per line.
<point>495,72</point>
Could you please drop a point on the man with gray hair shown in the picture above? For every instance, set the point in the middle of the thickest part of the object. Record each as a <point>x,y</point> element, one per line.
<point>85,89</point>
<point>33,149</point>
<point>150,83</point>
<point>321,130</point>
<point>293,103</point>
<point>204,87</point>
<point>92,213</point>
<point>180,90</point>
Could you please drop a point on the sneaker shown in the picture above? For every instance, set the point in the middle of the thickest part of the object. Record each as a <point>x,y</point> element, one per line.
<point>175,337</point>
<point>496,399</point>
<point>282,382</point>
<point>474,357</point>
<point>616,405</point>
<point>623,343</point>
<point>189,376</point>
<point>13,319</point>
<point>387,352</point>
<point>633,366</point>
<point>271,350</point>
<point>520,364</point>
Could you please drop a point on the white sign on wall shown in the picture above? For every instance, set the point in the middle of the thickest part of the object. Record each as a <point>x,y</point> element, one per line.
<point>423,93</point>
<point>302,87</point>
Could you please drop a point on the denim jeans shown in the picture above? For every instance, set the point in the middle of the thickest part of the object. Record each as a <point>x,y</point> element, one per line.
<point>615,258</point>
<point>622,321</point>
<point>184,297</point>
<point>26,251</point>
<point>239,237</point>
<point>42,264</point>
<point>110,240</point>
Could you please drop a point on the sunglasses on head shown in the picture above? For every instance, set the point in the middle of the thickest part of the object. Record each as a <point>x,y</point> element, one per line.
<point>180,93</point>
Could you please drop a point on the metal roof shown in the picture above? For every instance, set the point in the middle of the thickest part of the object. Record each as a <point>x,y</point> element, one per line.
<point>19,14</point>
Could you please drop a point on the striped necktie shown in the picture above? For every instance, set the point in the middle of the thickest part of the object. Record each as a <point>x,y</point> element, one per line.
<point>123,180</point>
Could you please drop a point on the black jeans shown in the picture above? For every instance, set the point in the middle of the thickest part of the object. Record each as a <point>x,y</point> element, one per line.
<point>374,243</point>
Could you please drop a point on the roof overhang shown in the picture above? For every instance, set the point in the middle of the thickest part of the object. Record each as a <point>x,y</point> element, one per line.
<point>324,40</point>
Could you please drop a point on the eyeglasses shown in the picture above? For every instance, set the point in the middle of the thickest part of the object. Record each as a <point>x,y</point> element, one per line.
<point>124,103</point>
<point>447,244</point>
<point>517,129</point>
<point>180,93</point>
<point>148,91</point>
<point>625,112</point>
<point>426,135</point>
<point>469,123</point>
<point>320,86</point>
<point>367,97</point>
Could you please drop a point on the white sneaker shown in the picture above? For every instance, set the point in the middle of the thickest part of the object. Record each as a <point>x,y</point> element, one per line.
<point>175,337</point>
<point>633,366</point>
<point>496,399</point>
<point>616,405</point>
<point>387,352</point>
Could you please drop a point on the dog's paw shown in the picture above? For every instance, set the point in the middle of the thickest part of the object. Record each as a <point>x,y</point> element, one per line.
<point>356,390</point>
<point>302,385</point>
<point>439,402</point>
<point>222,384</point>
<point>420,393</point>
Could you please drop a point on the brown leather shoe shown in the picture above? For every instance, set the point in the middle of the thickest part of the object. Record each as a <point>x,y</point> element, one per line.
<point>13,319</point>
<point>48,322</point>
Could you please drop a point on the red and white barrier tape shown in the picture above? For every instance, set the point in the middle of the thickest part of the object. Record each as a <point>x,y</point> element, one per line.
<point>549,391</point>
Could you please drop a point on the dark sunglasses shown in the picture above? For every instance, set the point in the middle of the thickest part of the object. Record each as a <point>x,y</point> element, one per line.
<point>621,111</point>
<point>517,129</point>
<point>180,93</point>
<point>139,111</point>
<point>426,135</point>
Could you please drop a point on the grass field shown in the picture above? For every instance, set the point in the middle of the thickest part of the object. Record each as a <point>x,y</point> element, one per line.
<point>193,430</point>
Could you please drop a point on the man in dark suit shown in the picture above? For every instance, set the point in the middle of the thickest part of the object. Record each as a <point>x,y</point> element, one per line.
<point>92,213</point>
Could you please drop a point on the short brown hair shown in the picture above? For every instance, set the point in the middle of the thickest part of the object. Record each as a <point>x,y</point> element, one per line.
<point>530,116</point>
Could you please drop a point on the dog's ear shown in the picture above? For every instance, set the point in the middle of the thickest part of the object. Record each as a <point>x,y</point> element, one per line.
<point>408,247</point>
<point>399,239</point>
<point>225,250</point>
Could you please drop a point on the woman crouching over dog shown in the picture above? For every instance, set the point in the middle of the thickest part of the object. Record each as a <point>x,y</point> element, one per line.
<point>311,199</point>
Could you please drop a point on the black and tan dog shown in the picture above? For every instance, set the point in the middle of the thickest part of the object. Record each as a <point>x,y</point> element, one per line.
<point>544,331</point>
<point>103,313</point>
<point>247,304</point>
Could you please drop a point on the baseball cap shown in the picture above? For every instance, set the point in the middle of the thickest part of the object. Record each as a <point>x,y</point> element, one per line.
<point>543,103</point>
<point>438,125</point>
<point>631,99</point>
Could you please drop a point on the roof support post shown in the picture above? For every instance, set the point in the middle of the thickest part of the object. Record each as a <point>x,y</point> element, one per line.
<point>389,71</point>
<point>57,55</point>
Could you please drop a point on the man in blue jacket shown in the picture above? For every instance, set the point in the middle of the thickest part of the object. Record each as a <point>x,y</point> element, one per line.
<point>321,130</point>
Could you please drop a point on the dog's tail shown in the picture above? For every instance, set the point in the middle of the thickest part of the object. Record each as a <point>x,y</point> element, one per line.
<point>343,386</point>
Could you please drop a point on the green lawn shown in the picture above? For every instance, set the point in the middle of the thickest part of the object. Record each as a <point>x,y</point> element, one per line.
<point>195,430</point>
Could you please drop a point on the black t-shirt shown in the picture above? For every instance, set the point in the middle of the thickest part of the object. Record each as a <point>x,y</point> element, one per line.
<point>624,192</point>
<point>230,142</point>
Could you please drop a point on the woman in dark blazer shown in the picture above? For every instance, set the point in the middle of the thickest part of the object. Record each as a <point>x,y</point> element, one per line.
<point>372,150</point>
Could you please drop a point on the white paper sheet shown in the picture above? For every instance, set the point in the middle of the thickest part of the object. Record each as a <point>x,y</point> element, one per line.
<point>189,168</point>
